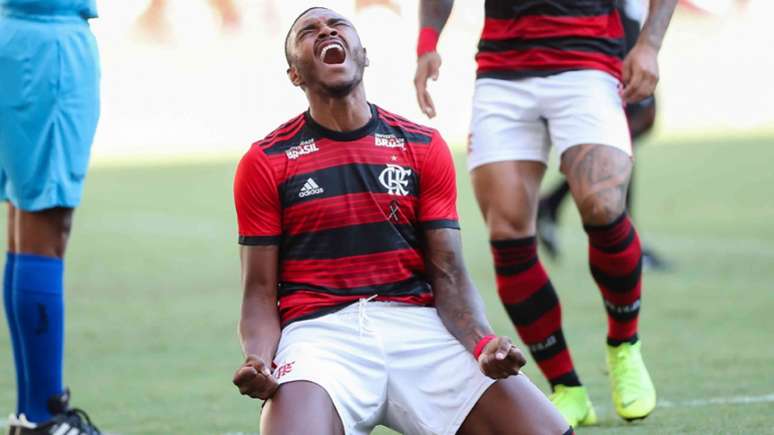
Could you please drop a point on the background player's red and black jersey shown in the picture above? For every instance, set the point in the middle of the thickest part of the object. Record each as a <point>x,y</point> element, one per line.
<point>346,209</point>
<point>528,38</point>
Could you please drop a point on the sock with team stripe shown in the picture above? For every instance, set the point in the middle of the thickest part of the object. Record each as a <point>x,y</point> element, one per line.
<point>13,329</point>
<point>615,258</point>
<point>533,306</point>
<point>39,307</point>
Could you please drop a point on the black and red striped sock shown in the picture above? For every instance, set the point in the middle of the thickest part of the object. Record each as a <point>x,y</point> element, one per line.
<point>615,257</point>
<point>533,306</point>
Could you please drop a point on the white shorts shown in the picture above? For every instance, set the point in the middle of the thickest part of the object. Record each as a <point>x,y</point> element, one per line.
<point>520,119</point>
<point>384,363</point>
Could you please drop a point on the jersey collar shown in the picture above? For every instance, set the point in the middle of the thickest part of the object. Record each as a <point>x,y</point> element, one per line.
<point>363,131</point>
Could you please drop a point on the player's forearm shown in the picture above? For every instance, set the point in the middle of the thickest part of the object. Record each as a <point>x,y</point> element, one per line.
<point>434,13</point>
<point>458,302</point>
<point>259,326</point>
<point>654,29</point>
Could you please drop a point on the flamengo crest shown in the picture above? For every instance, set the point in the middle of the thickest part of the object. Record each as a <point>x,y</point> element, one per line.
<point>394,178</point>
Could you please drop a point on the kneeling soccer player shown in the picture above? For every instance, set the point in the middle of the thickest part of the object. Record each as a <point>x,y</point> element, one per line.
<point>357,308</point>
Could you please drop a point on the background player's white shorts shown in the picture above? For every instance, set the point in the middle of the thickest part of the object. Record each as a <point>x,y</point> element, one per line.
<point>520,119</point>
<point>384,363</point>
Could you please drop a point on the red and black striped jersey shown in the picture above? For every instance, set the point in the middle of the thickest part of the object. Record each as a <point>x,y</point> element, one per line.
<point>347,210</point>
<point>528,38</point>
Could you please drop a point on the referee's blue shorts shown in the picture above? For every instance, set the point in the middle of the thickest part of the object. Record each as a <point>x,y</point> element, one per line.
<point>49,107</point>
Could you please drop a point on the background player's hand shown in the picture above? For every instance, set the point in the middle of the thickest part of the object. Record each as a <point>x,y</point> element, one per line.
<point>428,66</point>
<point>640,72</point>
<point>254,379</point>
<point>500,359</point>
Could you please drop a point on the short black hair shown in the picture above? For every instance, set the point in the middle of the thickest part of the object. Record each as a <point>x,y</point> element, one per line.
<point>287,37</point>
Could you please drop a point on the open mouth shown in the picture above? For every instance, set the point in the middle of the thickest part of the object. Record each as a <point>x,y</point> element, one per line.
<point>332,53</point>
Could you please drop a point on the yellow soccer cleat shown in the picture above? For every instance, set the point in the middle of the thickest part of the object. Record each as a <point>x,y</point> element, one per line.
<point>634,395</point>
<point>574,404</point>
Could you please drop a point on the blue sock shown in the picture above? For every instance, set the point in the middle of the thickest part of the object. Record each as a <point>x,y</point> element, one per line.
<point>13,329</point>
<point>38,302</point>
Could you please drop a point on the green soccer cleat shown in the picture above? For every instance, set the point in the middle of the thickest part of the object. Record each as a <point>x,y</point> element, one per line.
<point>574,404</point>
<point>634,395</point>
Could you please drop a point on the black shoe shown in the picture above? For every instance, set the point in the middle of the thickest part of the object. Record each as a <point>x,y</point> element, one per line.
<point>653,261</point>
<point>547,228</point>
<point>66,421</point>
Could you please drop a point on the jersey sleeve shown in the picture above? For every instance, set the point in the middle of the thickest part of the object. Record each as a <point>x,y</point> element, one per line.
<point>257,201</point>
<point>438,188</point>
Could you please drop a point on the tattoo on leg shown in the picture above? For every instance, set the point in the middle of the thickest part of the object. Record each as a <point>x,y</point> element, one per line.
<point>598,177</point>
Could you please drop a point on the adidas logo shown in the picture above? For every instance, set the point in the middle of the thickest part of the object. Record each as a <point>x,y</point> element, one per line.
<point>310,188</point>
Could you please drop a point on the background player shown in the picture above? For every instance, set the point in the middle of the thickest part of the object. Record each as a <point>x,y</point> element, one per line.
<point>641,116</point>
<point>49,105</point>
<point>549,74</point>
<point>352,269</point>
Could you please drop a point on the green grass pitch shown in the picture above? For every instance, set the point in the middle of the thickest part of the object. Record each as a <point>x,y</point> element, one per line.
<point>153,295</point>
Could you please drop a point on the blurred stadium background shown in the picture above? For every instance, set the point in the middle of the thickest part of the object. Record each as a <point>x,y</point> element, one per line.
<point>153,277</point>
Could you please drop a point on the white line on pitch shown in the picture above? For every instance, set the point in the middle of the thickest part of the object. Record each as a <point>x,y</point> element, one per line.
<point>734,400</point>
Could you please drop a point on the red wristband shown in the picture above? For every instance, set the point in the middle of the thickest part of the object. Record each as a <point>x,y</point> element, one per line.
<point>428,40</point>
<point>481,344</point>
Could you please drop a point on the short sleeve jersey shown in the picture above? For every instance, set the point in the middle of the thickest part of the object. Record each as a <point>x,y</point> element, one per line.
<point>347,210</point>
<point>538,38</point>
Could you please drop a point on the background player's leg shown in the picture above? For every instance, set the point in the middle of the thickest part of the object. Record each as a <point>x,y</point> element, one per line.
<point>507,193</point>
<point>514,406</point>
<point>598,177</point>
<point>642,117</point>
<point>281,414</point>
<point>548,216</point>
<point>41,239</point>
<point>10,315</point>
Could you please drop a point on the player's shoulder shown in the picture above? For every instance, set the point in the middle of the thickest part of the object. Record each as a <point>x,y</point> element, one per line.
<point>287,135</point>
<point>393,124</point>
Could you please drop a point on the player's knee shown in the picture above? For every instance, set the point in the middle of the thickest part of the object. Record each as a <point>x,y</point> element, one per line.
<point>61,223</point>
<point>602,209</point>
<point>510,227</point>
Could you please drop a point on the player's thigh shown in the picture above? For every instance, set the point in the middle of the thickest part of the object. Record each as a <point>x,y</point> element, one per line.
<point>280,415</point>
<point>508,194</point>
<point>514,406</point>
<point>598,176</point>
<point>44,232</point>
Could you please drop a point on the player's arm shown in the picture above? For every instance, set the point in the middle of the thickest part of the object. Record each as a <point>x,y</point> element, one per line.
<point>457,300</point>
<point>640,68</point>
<point>433,15</point>
<point>258,212</point>
<point>259,324</point>
<point>461,308</point>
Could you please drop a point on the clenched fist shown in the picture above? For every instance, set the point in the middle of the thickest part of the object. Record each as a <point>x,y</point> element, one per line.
<point>254,379</point>
<point>500,359</point>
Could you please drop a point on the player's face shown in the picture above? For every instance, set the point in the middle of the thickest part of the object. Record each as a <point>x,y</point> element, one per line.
<point>326,53</point>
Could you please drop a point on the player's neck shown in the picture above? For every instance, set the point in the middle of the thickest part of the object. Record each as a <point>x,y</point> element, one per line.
<point>346,113</point>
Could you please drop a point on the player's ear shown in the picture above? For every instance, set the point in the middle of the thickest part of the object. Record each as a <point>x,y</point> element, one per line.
<point>365,56</point>
<point>294,77</point>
